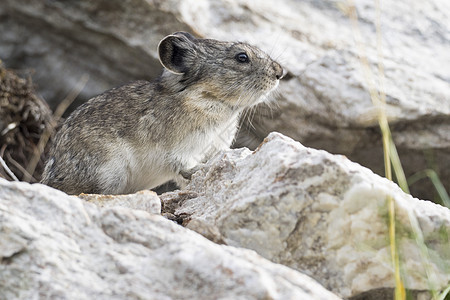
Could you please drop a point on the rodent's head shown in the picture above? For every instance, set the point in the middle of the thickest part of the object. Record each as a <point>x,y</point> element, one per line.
<point>236,73</point>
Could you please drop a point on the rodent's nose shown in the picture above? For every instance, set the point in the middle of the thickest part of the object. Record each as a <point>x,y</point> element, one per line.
<point>279,72</point>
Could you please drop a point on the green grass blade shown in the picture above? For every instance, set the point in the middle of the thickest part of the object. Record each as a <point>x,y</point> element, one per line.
<point>444,294</point>
<point>437,183</point>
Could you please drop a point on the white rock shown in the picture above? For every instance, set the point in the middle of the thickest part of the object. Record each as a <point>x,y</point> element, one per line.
<point>144,200</point>
<point>54,246</point>
<point>318,213</point>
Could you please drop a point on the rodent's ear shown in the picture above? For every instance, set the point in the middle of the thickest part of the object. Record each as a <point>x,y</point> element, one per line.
<point>177,52</point>
<point>186,35</point>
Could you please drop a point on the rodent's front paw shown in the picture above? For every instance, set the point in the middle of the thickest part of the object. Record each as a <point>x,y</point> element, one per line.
<point>187,174</point>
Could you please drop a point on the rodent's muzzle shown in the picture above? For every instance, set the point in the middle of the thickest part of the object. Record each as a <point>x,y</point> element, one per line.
<point>278,70</point>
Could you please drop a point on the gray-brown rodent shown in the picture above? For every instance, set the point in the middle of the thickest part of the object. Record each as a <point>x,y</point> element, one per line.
<point>141,135</point>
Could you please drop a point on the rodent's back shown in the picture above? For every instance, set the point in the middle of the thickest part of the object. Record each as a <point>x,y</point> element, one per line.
<point>86,135</point>
<point>94,134</point>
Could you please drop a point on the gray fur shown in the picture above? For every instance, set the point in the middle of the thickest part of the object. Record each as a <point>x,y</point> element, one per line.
<point>143,134</point>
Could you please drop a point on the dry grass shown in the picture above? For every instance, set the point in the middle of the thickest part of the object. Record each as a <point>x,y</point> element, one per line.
<point>26,126</point>
<point>391,158</point>
<point>23,119</point>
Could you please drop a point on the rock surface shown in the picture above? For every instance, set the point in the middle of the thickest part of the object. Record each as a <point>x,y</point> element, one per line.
<point>324,100</point>
<point>144,200</point>
<point>318,213</point>
<point>54,246</point>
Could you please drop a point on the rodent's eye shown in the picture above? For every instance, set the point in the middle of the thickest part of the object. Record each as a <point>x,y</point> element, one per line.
<point>242,57</point>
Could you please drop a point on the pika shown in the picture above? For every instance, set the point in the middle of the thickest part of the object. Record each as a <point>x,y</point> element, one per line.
<point>143,134</point>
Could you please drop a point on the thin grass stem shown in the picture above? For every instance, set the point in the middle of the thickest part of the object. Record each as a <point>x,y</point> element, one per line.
<point>378,99</point>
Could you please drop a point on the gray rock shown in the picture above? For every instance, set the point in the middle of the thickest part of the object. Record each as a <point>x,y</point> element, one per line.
<point>54,246</point>
<point>113,42</point>
<point>317,213</point>
<point>324,101</point>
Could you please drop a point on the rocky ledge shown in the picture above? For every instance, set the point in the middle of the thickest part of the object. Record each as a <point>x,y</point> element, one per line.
<point>55,246</point>
<point>316,224</point>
